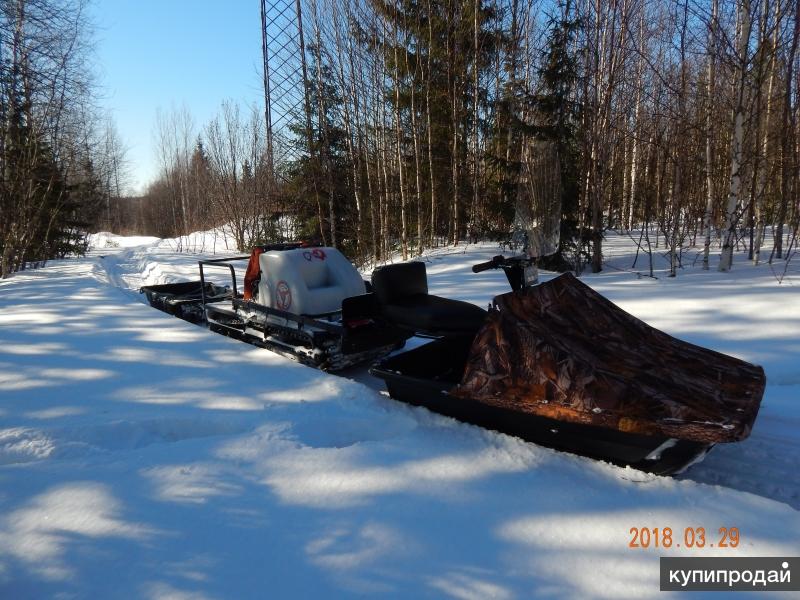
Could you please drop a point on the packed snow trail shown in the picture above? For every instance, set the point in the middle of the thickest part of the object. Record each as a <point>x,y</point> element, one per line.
<point>144,457</point>
<point>745,313</point>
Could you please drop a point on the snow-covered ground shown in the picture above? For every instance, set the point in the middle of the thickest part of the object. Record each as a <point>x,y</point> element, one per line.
<point>144,457</point>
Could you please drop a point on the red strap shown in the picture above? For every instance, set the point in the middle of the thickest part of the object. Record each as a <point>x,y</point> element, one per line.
<point>253,274</point>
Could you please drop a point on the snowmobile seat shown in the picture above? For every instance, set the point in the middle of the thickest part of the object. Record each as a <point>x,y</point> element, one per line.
<point>402,292</point>
<point>307,281</point>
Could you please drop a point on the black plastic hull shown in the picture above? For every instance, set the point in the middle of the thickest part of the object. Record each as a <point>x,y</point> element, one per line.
<point>424,376</point>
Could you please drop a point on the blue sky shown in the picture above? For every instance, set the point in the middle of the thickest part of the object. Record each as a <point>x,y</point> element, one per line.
<point>163,54</point>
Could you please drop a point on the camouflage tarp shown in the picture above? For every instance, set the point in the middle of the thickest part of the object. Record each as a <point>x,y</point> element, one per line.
<point>563,351</point>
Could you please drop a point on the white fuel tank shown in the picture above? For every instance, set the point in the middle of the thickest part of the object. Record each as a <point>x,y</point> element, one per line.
<point>307,281</point>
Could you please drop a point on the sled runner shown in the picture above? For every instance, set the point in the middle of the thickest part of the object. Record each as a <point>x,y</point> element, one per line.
<point>308,303</point>
<point>184,300</point>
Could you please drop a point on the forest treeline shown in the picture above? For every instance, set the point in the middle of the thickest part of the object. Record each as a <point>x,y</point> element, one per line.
<point>60,157</point>
<point>414,120</point>
<point>675,117</point>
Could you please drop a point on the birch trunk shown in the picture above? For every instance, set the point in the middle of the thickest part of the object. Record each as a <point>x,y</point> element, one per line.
<point>473,220</point>
<point>353,152</point>
<point>737,145</point>
<point>709,132</point>
<point>758,197</point>
<point>455,94</point>
<point>430,129</point>
<point>787,144</point>
<point>322,110</point>
<point>399,145</point>
<point>417,169</point>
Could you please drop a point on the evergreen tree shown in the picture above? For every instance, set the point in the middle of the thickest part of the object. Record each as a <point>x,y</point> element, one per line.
<point>319,177</point>
<point>42,75</point>
<point>555,118</point>
<point>432,51</point>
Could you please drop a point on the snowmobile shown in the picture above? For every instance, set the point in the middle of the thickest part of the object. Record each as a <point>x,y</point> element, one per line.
<point>559,365</point>
<point>305,302</point>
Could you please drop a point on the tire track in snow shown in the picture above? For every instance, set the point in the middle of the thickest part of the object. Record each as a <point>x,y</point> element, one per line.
<point>20,445</point>
<point>123,268</point>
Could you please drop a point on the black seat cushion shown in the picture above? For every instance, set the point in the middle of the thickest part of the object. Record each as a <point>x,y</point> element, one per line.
<point>392,282</point>
<point>435,315</point>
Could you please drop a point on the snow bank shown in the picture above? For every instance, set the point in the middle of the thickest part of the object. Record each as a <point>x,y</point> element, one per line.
<point>105,239</point>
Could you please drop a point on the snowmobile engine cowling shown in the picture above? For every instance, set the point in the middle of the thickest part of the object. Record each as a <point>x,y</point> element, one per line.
<point>563,351</point>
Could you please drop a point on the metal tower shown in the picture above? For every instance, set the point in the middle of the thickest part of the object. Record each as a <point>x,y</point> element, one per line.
<point>285,77</point>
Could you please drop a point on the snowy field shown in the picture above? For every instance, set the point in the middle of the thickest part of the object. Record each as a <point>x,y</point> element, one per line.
<point>144,457</point>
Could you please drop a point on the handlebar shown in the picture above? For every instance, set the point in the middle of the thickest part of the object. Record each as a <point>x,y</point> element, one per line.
<point>491,264</point>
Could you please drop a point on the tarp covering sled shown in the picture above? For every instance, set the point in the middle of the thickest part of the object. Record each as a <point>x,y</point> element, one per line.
<point>563,351</point>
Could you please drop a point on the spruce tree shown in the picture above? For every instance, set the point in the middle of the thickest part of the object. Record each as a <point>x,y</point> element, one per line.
<point>556,115</point>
